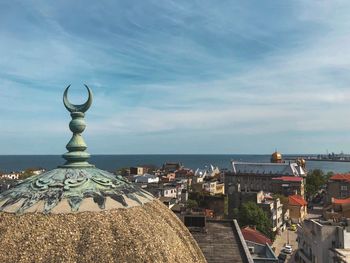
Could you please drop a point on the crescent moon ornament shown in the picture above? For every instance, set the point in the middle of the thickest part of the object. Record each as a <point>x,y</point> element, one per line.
<point>77,108</point>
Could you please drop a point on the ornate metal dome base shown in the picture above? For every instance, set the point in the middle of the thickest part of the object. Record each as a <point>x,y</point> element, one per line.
<point>72,190</point>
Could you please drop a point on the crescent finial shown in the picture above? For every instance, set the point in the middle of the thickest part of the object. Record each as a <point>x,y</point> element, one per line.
<point>77,108</point>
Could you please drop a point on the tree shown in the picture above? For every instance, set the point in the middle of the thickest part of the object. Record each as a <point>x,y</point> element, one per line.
<point>314,181</point>
<point>251,214</point>
<point>192,203</point>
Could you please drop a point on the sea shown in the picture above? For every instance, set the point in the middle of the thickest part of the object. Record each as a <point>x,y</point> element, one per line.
<point>9,163</point>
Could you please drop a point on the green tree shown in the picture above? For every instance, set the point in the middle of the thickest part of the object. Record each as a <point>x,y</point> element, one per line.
<point>192,203</point>
<point>251,214</point>
<point>314,181</point>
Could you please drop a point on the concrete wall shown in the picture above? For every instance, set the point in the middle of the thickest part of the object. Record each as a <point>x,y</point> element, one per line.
<point>318,239</point>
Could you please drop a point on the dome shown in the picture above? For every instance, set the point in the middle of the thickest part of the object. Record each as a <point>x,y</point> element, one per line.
<point>79,213</point>
<point>301,162</point>
<point>276,157</point>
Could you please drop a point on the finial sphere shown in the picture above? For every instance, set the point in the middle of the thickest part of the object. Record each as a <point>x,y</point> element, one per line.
<point>77,108</point>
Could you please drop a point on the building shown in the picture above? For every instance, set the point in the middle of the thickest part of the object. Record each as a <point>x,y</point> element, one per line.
<point>214,187</point>
<point>273,209</point>
<point>271,206</point>
<point>78,212</point>
<point>338,186</point>
<point>254,177</point>
<point>297,208</point>
<point>171,167</point>
<point>138,170</point>
<point>322,241</point>
<point>259,246</point>
<point>209,172</point>
<point>339,255</point>
<point>216,203</point>
<point>163,190</point>
<point>146,178</point>
<point>253,235</point>
<point>168,201</point>
<point>220,240</point>
<point>168,177</point>
<point>11,176</point>
<point>184,196</point>
<point>339,208</point>
<point>184,173</point>
<point>288,185</point>
<point>261,253</point>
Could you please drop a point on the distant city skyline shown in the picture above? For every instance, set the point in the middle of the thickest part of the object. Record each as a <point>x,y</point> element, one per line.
<point>181,77</point>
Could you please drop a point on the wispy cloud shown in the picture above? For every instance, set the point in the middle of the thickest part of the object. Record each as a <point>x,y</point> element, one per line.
<point>177,76</point>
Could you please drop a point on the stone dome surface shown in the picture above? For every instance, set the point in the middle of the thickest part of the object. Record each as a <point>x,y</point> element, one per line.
<point>145,233</point>
<point>79,213</point>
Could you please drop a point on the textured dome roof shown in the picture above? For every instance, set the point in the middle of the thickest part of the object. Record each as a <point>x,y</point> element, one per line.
<point>148,233</point>
<point>78,213</point>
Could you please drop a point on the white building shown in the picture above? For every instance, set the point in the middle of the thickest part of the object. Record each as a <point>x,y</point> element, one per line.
<point>323,241</point>
<point>13,176</point>
<point>207,173</point>
<point>146,178</point>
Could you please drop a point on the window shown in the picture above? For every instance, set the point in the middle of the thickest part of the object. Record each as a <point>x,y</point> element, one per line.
<point>343,188</point>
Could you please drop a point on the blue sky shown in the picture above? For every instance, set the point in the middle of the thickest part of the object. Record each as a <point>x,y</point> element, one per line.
<point>176,76</point>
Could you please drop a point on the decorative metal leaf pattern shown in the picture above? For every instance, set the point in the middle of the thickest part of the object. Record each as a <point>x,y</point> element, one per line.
<point>74,185</point>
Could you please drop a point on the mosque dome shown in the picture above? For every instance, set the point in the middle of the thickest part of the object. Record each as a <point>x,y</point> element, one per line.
<point>276,157</point>
<point>79,213</point>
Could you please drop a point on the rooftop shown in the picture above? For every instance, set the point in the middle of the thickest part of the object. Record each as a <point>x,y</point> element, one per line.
<point>337,201</point>
<point>283,169</point>
<point>255,236</point>
<point>222,242</point>
<point>296,200</point>
<point>262,252</point>
<point>341,177</point>
<point>289,178</point>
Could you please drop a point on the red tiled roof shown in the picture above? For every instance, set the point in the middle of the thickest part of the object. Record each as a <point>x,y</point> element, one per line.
<point>341,177</point>
<point>296,200</point>
<point>253,235</point>
<point>340,201</point>
<point>289,178</point>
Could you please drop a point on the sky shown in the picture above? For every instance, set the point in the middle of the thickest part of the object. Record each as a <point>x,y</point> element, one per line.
<point>183,77</point>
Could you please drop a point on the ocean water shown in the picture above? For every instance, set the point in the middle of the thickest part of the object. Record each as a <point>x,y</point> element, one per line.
<point>111,163</point>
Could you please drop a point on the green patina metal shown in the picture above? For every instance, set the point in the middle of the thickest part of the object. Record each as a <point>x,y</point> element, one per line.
<point>76,155</point>
<point>74,181</point>
<point>73,184</point>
